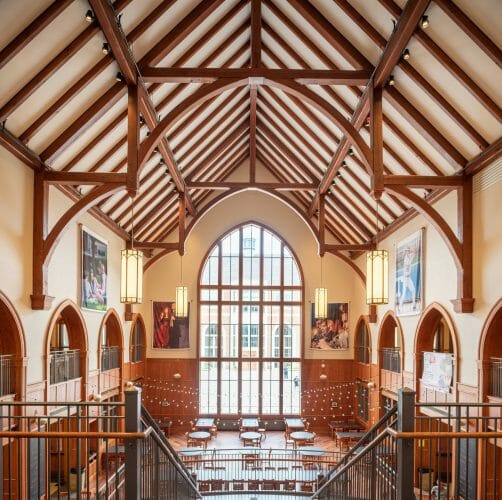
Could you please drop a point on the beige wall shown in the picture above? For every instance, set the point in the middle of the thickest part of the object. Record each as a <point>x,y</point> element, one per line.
<point>16,192</point>
<point>16,222</point>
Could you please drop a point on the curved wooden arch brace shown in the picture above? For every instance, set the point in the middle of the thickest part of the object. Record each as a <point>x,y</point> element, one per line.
<point>291,87</point>
<point>390,316</point>
<point>303,92</point>
<point>424,334</point>
<point>44,244</point>
<point>489,345</point>
<point>78,337</point>
<point>114,332</point>
<point>118,332</point>
<point>350,263</point>
<point>13,342</point>
<point>460,247</point>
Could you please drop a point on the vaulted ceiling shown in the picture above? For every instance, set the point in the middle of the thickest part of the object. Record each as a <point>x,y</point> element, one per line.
<point>284,73</point>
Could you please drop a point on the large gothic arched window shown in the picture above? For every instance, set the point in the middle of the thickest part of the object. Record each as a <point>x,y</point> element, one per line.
<point>250,326</point>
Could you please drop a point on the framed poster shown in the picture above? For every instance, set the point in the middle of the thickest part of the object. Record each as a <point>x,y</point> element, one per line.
<point>438,370</point>
<point>409,281</point>
<point>331,333</point>
<point>94,282</point>
<point>169,332</point>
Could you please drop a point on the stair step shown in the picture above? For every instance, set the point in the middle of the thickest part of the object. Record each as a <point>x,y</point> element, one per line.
<point>248,495</point>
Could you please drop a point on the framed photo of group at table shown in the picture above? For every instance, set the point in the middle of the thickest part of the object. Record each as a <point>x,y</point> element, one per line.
<point>331,333</point>
<point>409,275</point>
<point>169,331</point>
<point>94,277</point>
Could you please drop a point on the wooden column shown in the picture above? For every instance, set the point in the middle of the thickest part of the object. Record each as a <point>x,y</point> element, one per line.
<point>376,141</point>
<point>132,182</point>
<point>181,223</point>
<point>321,224</point>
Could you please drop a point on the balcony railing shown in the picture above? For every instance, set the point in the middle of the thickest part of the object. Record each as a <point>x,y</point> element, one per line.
<point>65,365</point>
<point>391,359</point>
<point>6,374</point>
<point>496,377</point>
<point>109,358</point>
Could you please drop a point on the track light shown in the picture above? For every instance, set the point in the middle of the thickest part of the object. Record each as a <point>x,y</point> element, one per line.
<point>89,16</point>
<point>391,81</point>
<point>406,54</point>
<point>338,174</point>
<point>156,150</point>
<point>141,120</point>
<point>147,133</point>
<point>344,163</point>
<point>105,48</point>
<point>424,22</point>
<point>161,161</point>
<point>119,77</point>
<point>351,152</point>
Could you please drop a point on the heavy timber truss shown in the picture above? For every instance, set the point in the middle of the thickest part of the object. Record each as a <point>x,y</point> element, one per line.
<point>268,103</point>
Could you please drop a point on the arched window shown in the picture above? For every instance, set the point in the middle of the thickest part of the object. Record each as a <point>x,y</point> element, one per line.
<point>137,352</point>
<point>250,326</point>
<point>363,346</point>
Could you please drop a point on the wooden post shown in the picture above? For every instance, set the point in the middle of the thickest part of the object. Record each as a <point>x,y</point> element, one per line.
<point>132,447</point>
<point>376,141</point>
<point>132,182</point>
<point>181,223</point>
<point>405,451</point>
<point>321,225</point>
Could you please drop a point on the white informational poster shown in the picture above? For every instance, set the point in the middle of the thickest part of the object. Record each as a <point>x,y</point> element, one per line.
<point>438,370</point>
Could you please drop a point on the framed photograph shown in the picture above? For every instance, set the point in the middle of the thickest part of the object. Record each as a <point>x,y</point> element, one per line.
<point>94,284</point>
<point>331,333</point>
<point>409,281</point>
<point>169,332</point>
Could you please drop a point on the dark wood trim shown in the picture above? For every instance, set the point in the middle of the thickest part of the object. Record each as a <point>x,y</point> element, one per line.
<point>376,139</point>
<point>283,186</point>
<point>424,181</point>
<point>485,158</point>
<point>255,33</point>
<point>133,140</point>
<point>81,178</point>
<point>349,247</point>
<point>22,152</point>
<point>253,96</point>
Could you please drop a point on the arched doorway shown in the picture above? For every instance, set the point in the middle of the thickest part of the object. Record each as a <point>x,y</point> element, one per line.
<point>137,348</point>
<point>66,354</point>
<point>111,355</point>
<point>390,359</point>
<point>12,353</point>
<point>436,343</point>
<point>490,391</point>
<point>362,356</point>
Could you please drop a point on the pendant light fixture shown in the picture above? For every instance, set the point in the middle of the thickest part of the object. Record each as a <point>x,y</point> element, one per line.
<point>131,277</point>
<point>321,301</point>
<point>181,297</point>
<point>377,273</point>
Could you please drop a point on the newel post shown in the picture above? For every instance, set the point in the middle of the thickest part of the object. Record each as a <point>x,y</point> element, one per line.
<point>132,446</point>
<point>405,448</point>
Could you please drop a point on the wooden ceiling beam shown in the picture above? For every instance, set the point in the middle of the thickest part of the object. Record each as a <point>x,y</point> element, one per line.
<point>478,36</point>
<point>425,181</point>
<point>348,247</point>
<point>448,63</point>
<point>22,152</point>
<point>485,158</point>
<point>32,30</point>
<point>304,76</point>
<point>255,33</point>
<point>331,34</point>
<point>287,186</point>
<point>176,35</point>
<point>253,96</point>
<point>81,178</point>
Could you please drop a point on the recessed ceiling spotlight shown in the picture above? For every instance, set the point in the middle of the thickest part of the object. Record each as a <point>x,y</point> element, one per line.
<point>424,22</point>
<point>105,48</point>
<point>89,16</point>
<point>406,54</point>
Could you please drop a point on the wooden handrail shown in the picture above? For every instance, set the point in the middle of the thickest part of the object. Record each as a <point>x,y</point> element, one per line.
<point>81,435</point>
<point>445,434</point>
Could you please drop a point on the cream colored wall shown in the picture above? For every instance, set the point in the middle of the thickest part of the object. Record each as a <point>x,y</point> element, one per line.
<point>161,280</point>
<point>16,222</point>
<point>440,278</point>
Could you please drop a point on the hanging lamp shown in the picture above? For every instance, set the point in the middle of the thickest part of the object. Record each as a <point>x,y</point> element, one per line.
<point>131,276</point>
<point>181,297</point>
<point>321,301</point>
<point>377,273</point>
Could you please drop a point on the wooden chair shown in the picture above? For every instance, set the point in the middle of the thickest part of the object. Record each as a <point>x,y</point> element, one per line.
<point>263,431</point>
<point>217,485</point>
<point>306,486</point>
<point>190,442</point>
<point>204,485</point>
<point>238,485</point>
<point>270,485</point>
<point>253,485</point>
<point>289,485</point>
<point>289,440</point>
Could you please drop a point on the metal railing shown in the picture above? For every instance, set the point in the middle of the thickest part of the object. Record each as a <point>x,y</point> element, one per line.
<point>7,385</point>
<point>495,388</point>
<point>391,359</point>
<point>251,469</point>
<point>110,356</point>
<point>64,365</point>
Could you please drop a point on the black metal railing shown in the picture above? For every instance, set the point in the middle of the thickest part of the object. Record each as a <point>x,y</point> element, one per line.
<point>495,388</point>
<point>7,385</point>
<point>110,356</point>
<point>391,359</point>
<point>64,365</point>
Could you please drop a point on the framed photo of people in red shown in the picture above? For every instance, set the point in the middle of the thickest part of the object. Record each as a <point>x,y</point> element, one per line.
<point>332,332</point>
<point>94,279</point>
<point>169,331</point>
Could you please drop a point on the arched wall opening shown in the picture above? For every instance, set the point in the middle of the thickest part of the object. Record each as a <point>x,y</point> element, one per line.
<point>490,356</point>
<point>436,342</point>
<point>111,353</point>
<point>137,347</point>
<point>12,352</point>
<point>66,354</point>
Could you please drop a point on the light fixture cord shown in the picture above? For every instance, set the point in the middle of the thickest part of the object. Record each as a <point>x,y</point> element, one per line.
<point>376,225</point>
<point>132,223</point>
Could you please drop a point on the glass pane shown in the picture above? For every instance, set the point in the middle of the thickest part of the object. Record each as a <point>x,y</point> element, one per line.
<point>271,245</point>
<point>251,295</point>
<point>229,387</point>
<point>292,331</point>
<point>209,331</point>
<point>291,385</point>
<point>271,385</point>
<point>210,272</point>
<point>271,331</point>
<point>208,383</point>
<point>231,294</point>
<point>249,395</point>
<point>271,295</point>
<point>292,295</point>
<point>230,244</point>
<point>209,295</point>
<point>229,331</point>
<point>230,270</point>
<point>250,331</point>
